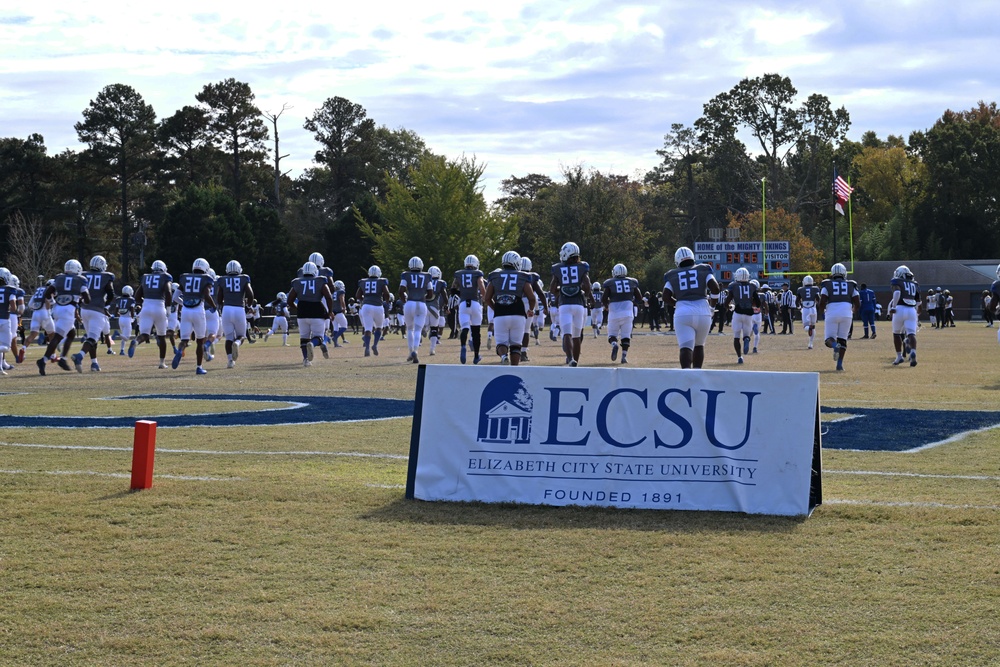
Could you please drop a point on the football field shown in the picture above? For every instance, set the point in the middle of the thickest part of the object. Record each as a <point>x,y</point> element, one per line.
<point>277,533</point>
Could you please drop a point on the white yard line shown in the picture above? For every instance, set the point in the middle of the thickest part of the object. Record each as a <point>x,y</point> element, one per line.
<point>910,474</point>
<point>210,452</point>
<point>882,503</point>
<point>119,475</point>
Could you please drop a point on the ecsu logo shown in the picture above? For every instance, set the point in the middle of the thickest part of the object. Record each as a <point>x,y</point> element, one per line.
<point>505,412</point>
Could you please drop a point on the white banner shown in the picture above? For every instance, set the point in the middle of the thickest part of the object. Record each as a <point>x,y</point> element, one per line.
<point>622,437</point>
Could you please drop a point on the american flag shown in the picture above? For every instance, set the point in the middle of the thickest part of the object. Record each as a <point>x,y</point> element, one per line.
<point>841,192</point>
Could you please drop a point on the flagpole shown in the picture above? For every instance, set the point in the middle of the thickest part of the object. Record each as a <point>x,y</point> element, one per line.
<point>850,225</point>
<point>835,220</point>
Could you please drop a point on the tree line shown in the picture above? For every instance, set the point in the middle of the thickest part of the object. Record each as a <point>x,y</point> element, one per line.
<point>208,181</point>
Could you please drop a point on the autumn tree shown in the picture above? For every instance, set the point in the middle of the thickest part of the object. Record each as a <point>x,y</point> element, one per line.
<point>781,226</point>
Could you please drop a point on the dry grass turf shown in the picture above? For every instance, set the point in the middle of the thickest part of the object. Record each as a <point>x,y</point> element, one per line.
<point>243,556</point>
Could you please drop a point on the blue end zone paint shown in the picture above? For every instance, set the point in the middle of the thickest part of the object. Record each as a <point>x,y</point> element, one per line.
<point>873,429</point>
<point>896,430</point>
<point>274,411</point>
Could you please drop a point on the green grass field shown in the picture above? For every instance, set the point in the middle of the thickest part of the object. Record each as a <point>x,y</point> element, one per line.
<point>279,545</point>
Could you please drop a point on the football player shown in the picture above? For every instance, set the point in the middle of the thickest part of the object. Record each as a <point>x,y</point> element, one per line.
<point>758,314</point>
<point>234,292</point>
<point>571,282</point>
<point>838,298</point>
<point>153,298</point>
<point>437,307</point>
<point>41,313</point>
<point>8,303</point>
<point>414,291</point>
<point>16,307</point>
<point>125,309</point>
<point>196,290</point>
<point>280,322</point>
<point>101,285</point>
<point>806,298</point>
<point>68,289</point>
<point>339,312</point>
<point>620,296</point>
<point>471,291</point>
<point>505,293</point>
<point>744,298</point>
<point>904,309</point>
<point>531,325</point>
<point>596,314</point>
<point>314,302</point>
<point>373,294</point>
<point>690,285</point>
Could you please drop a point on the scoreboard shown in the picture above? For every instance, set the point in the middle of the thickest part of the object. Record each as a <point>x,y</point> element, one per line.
<point>727,256</point>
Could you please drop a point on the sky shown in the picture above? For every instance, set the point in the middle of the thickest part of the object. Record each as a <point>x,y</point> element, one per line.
<point>522,86</point>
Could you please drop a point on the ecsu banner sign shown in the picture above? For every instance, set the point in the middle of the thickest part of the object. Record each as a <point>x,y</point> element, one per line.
<point>620,437</point>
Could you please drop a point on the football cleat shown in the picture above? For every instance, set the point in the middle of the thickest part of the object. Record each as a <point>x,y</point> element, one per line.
<point>41,366</point>
<point>78,362</point>
<point>95,367</point>
<point>231,364</point>
<point>200,371</point>
<point>504,361</point>
<point>614,351</point>
<point>63,364</point>
<point>461,354</point>
<point>178,353</point>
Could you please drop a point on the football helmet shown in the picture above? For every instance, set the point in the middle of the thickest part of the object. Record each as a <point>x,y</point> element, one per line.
<point>756,283</point>
<point>416,264</point>
<point>595,286</point>
<point>14,281</point>
<point>525,264</point>
<point>374,271</point>
<point>838,270</point>
<point>201,264</point>
<point>310,269</point>
<point>234,268</point>
<point>511,260</point>
<point>569,249</point>
<point>159,266</point>
<point>619,271</point>
<point>682,255</point>
<point>316,259</point>
<point>282,296</point>
<point>471,262</point>
<point>435,272</point>
<point>742,275</point>
<point>211,274</point>
<point>808,280</point>
<point>902,272</point>
<point>98,263</point>
<point>339,285</point>
<point>73,267</point>
<point>4,275</point>
<point>127,290</point>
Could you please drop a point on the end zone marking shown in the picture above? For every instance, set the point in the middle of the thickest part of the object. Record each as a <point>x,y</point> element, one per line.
<point>298,410</point>
<point>902,430</point>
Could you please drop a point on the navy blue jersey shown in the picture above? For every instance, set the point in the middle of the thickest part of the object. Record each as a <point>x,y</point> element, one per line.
<point>232,289</point>
<point>124,305</point>
<point>838,290</point>
<point>372,290</point>
<point>867,298</point>
<point>417,284</point>
<point>192,288</point>
<point>689,283</point>
<point>156,286</point>
<point>909,291</point>
<point>808,296</point>
<point>8,297</point>
<point>337,296</point>
<point>69,289</point>
<point>101,286</point>
<point>620,289</point>
<point>508,290</point>
<point>744,297</point>
<point>571,279</point>
<point>437,298</point>
<point>467,282</point>
<point>38,298</point>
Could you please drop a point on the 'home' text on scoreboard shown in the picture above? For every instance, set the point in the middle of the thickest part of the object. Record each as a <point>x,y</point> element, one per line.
<point>766,264</point>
